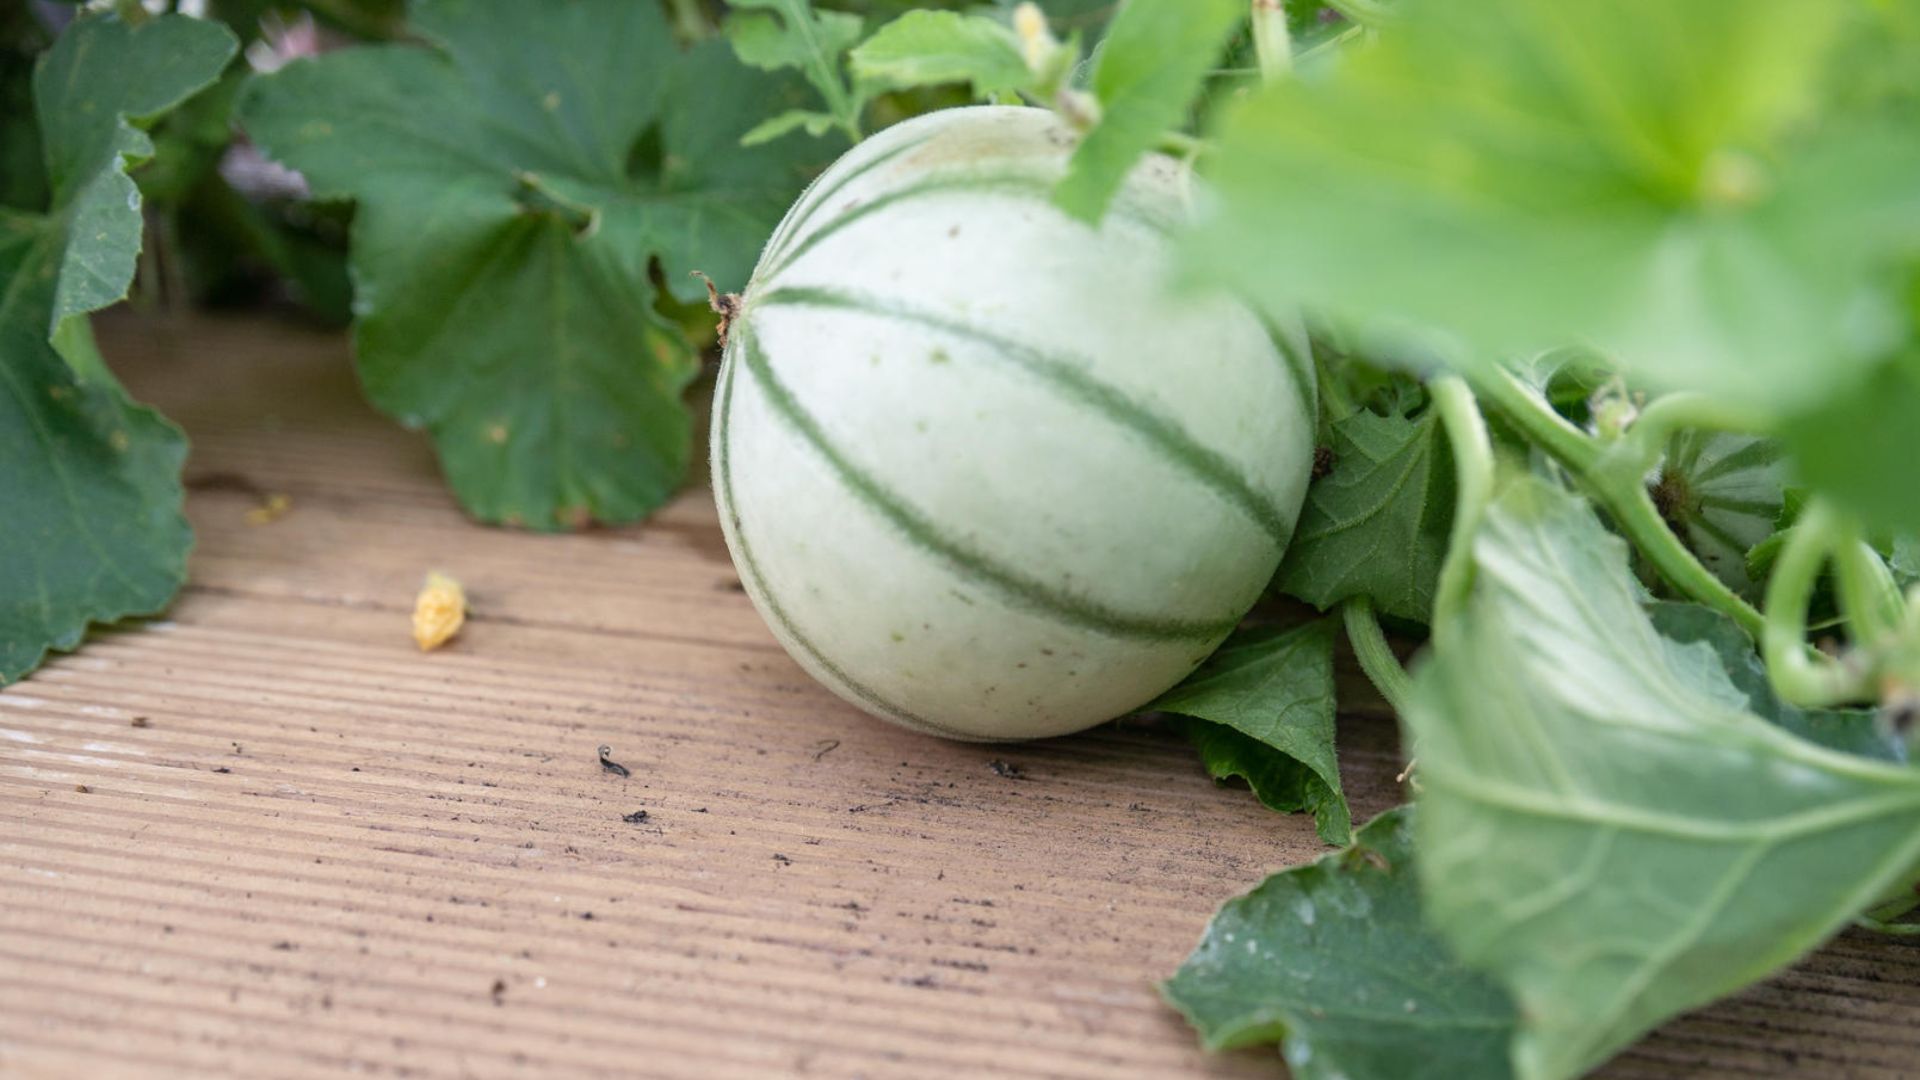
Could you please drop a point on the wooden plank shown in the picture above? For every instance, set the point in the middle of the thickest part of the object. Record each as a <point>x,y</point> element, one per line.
<point>266,836</point>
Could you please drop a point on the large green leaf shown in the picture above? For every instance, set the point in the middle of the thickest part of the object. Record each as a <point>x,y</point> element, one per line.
<point>90,481</point>
<point>514,188</point>
<point>1605,825</point>
<point>1641,175</point>
<point>1148,72</point>
<point>1335,961</point>
<point>1376,524</point>
<point>1272,693</point>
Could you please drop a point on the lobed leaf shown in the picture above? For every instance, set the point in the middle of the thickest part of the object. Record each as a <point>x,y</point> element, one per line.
<point>516,186</point>
<point>93,527</point>
<point>1336,962</point>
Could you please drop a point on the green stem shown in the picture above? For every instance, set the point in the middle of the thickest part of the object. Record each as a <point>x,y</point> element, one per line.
<point>1895,929</point>
<point>1869,597</point>
<point>73,340</point>
<point>1800,675</point>
<point>1473,467</point>
<point>1272,42</point>
<point>1646,440</point>
<point>1376,657</point>
<point>1623,493</point>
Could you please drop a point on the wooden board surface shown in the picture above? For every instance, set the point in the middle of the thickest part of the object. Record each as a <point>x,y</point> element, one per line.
<point>266,837</point>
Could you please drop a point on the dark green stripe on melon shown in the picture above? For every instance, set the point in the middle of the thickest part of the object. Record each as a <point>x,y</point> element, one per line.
<point>750,568</point>
<point>1070,379</point>
<point>1039,187</point>
<point>1016,588</point>
<point>797,220</point>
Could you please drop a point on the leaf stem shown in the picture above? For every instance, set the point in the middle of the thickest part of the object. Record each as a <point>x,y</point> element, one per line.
<point>1473,465</point>
<point>1622,492</point>
<point>1272,42</point>
<point>1799,674</point>
<point>1376,657</point>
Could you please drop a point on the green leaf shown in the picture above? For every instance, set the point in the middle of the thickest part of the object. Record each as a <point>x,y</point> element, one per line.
<point>85,91</point>
<point>93,528</point>
<point>1275,688</point>
<point>1641,175</point>
<point>928,48</point>
<point>514,188</point>
<point>1852,731</point>
<point>808,41</point>
<point>1722,493</point>
<point>1605,825</point>
<point>1148,72</point>
<point>1335,961</point>
<point>1376,525</point>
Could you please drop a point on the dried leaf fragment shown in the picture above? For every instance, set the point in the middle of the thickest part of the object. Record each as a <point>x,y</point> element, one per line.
<point>439,611</point>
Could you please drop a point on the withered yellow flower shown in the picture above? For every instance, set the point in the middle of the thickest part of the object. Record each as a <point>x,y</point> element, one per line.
<point>439,611</point>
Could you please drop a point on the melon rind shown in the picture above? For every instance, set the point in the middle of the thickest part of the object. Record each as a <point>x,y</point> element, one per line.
<point>982,471</point>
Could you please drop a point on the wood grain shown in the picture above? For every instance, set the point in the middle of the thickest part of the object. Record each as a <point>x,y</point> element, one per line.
<point>267,837</point>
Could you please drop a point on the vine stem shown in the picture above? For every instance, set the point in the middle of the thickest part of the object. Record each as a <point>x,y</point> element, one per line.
<point>1623,493</point>
<point>1376,657</point>
<point>1800,675</point>
<point>1473,465</point>
<point>1272,42</point>
<point>1637,451</point>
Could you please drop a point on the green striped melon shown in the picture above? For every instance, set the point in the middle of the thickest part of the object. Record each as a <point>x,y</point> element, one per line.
<point>982,473</point>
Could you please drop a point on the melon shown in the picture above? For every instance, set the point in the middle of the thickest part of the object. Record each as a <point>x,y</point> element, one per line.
<point>981,470</point>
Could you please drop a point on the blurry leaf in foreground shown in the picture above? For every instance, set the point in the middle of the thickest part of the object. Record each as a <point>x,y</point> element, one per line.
<point>1585,779</point>
<point>1521,174</point>
<point>1270,694</point>
<point>92,530</point>
<point>1336,963</point>
<point>1860,448</point>
<point>515,188</point>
